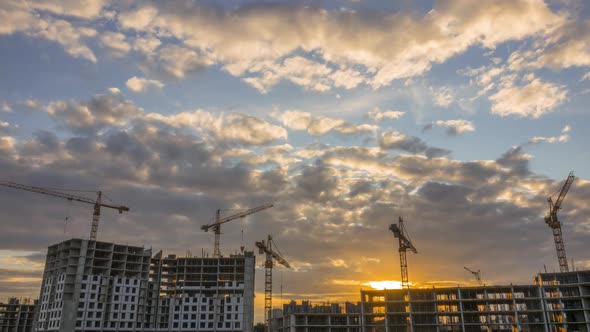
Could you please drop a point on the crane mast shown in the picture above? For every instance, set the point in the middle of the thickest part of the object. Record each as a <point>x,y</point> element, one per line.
<point>98,204</point>
<point>476,274</point>
<point>266,248</point>
<point>553,222</point>
<point>400,232</point>
<point>218,221</point>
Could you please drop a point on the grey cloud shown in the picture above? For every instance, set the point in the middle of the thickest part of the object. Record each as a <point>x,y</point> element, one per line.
<point>109,109</point>
<point>515,160</point>
<point>396,141</point>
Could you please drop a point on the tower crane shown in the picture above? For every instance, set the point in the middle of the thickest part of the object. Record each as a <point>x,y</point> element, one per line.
<point>266,248</point>
<point>553,222</point>
<point>400,232</point>
<point>98,204</point>
<point>218,221</point>
<point>477,275</point>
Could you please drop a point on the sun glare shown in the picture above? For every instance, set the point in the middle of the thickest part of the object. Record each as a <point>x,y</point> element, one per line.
<point>384,284</point>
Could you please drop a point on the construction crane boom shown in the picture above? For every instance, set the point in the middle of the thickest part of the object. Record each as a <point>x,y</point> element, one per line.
<point>219,221</point>
<point>266,248</point>
<point>400,232</point>
<point>477,275</point>
<point>98,204</point>
<point>553,222</point>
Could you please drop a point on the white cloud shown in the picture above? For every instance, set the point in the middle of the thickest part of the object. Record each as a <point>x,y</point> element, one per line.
<point>138,19</point>
<point>147,44</point>
<point>68,36</point>
<point>455,127</point>
<point>315,125</point>
<point>6,107</point>
<point>443,97</point>
<point>585,77</point>
<point>231,128</point>
<point>563,138</point>
<point>177,61</point>
<point>115,41</point>
<point>86,9</point>
<point>137,84</point>
<point>322,124</point>
<point>349,129</point>
<point>533,99</point>
<point>378,115</point>
<point>259,45</point>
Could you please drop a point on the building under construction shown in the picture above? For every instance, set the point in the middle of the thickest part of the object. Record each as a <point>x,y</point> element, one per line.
<point>555,302</point>
<point>101,286</point>
<point>17,315</point>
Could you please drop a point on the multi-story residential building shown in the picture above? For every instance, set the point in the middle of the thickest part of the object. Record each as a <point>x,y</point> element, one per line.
<point>100,286</point>
<point>555,302</point>
<point>306,317</point>
<point>17,315</point>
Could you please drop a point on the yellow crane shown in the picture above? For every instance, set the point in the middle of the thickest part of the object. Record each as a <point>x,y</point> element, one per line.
<point>218,221</point>
<point>399,231</point>
<point>266,248</point>
<point>98,204</point>
<point>553,222</point>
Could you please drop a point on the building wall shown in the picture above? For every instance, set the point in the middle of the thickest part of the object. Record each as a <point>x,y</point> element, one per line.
<point>99,286</point>
<point>17,315</point>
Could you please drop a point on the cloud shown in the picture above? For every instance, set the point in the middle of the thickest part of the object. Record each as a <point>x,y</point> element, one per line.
<point>378,115</point>
<point>176,61</point>
<point>532,99</point>
<point>64,33</point>
<point>393,140</point>
<point>336,52</point>
<point>115,42</point>
<point>229,128</point>
<point>137,84</point>
<point>349,129</point>
<point>454,127</point>
<point>147,44</point>
<point>563,138</point>
<point>443,97</point>
<point>320,125</point>
<point>138,19</point>
<point>109,109</point>
<point>314,125</point>
<point>86,9</point>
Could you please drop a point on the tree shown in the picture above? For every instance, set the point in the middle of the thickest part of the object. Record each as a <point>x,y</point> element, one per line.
<point>259,327</point>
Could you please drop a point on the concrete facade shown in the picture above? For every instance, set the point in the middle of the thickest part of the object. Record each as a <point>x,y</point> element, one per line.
<point>100,286</point>
<point>17,315</point>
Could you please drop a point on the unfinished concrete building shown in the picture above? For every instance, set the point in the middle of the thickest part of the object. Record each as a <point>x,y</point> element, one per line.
<point>101,286</point>
<point>17,315</point>
<point>306,317</point>
<point>555,302</point>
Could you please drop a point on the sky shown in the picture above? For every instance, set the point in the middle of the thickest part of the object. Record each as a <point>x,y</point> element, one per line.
<point>461,116</point>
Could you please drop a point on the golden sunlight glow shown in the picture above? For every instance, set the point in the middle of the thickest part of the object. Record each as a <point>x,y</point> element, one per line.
<point>384,284</point>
